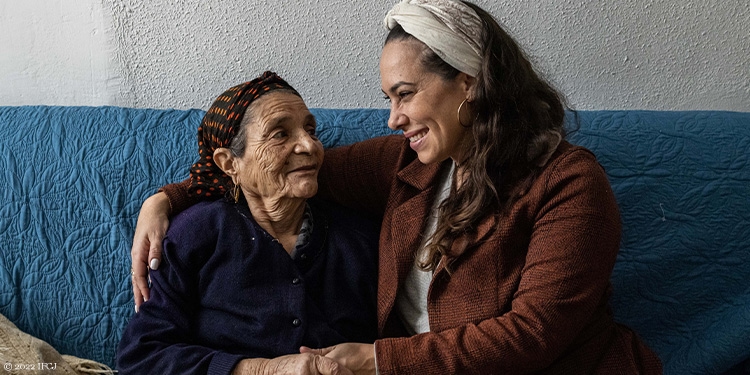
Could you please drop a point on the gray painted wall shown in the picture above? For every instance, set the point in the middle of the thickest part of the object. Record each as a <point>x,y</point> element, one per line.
<point>626,54</point>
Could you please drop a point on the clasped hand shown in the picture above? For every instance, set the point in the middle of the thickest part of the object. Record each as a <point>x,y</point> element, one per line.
<point>292,364</point>
<point>357,358</point>
<point>342,359</point>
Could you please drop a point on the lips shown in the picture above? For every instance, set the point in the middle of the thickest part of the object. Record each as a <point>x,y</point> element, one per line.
<point>416,138</point>
<point>305,168</point>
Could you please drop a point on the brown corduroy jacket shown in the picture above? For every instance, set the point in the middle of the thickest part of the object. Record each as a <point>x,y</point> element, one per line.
<point>532,297</point>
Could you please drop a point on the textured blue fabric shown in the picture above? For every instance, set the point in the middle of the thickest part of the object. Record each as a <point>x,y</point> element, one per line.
<point>74,178</point>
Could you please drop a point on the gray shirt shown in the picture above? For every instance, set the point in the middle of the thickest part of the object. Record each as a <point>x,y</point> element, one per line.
<point>411,299</point>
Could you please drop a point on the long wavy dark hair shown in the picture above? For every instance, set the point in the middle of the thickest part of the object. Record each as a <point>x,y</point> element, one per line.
<point>513,107</point>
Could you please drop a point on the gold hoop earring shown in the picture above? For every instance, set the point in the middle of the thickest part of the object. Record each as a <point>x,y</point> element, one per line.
<point>236,192</point>
<point>458,114</point>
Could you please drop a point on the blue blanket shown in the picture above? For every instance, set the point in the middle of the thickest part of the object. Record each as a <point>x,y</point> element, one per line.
<point>74,178</point>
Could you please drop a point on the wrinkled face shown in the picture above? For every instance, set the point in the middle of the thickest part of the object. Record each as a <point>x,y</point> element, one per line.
<point>283,155</point>
<point>423,104</point>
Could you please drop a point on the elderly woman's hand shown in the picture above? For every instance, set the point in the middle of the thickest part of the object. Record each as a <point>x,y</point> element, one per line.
<point>293,364</point>
<point>359,358</point>
<point>153,221</point>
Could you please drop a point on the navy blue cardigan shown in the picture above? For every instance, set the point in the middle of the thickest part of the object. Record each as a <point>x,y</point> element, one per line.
<point>227,290</point>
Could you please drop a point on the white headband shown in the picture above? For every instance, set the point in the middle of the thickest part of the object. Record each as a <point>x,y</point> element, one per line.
<point>450,28</point>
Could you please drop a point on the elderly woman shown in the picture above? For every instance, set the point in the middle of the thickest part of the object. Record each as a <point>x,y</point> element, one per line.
<point>498,236</point>
<point>247,279</point>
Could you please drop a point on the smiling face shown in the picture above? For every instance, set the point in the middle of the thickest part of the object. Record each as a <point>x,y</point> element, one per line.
<point>424,104</point>
<point>282,154</point>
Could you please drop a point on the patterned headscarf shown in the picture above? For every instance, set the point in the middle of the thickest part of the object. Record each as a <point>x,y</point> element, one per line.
<point>219,126</point>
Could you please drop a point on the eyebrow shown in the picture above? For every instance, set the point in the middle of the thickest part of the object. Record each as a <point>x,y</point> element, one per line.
<point>277,121</point>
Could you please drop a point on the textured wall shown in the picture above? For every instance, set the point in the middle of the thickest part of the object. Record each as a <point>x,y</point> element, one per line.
<point>186,53</point>
<point>54,52</point>
<point>625,54</point>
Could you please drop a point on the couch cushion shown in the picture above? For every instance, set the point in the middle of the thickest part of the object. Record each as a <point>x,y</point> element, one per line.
<point>72,181</point>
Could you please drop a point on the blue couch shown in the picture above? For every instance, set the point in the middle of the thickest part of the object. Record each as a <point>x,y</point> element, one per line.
<point>73,179</point>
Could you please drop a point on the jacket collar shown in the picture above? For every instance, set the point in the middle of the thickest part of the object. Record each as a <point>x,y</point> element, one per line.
<point>420,175</point>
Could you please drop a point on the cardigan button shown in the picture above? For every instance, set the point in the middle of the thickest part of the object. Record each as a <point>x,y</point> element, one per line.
<point>296,280</point>
<point>296,322</point>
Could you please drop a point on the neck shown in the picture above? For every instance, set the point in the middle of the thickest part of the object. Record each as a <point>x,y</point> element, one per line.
<point>281,218</point>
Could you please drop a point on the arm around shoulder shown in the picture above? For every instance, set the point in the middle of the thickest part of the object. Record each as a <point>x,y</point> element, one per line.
<point>359,176</point>
<point>153,221</point>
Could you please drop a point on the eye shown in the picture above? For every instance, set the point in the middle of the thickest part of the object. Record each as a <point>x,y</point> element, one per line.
<point>279,134</point>
<point>404,94</point>
<point>312,133</point>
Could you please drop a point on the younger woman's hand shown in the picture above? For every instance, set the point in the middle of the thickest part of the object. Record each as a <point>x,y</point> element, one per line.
<point>359,358</point>
<point>153,221</point>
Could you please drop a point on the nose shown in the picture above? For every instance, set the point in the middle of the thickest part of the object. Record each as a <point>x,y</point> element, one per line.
<point>306,143</point>
<point>396,119</point>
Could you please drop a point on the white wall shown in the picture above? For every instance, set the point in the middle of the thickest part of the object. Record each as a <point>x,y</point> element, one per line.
<point>54,52</point>
<point>604,54</point>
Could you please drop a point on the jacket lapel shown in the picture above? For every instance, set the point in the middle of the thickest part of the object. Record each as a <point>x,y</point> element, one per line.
<point>415,191</point>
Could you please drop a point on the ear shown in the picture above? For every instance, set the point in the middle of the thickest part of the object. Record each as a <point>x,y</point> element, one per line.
<point>225,160</point>
<point>468,84</point>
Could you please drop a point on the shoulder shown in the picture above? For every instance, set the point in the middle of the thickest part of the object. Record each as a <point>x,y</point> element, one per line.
<point>201,223</point>
<point>201,213</point>
<point>574,176</point>
<point>567,153</point>
<point>570,161</point>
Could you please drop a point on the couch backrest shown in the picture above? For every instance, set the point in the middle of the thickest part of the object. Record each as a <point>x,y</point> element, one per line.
<point>682,277</point>
<point>74,179</point>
